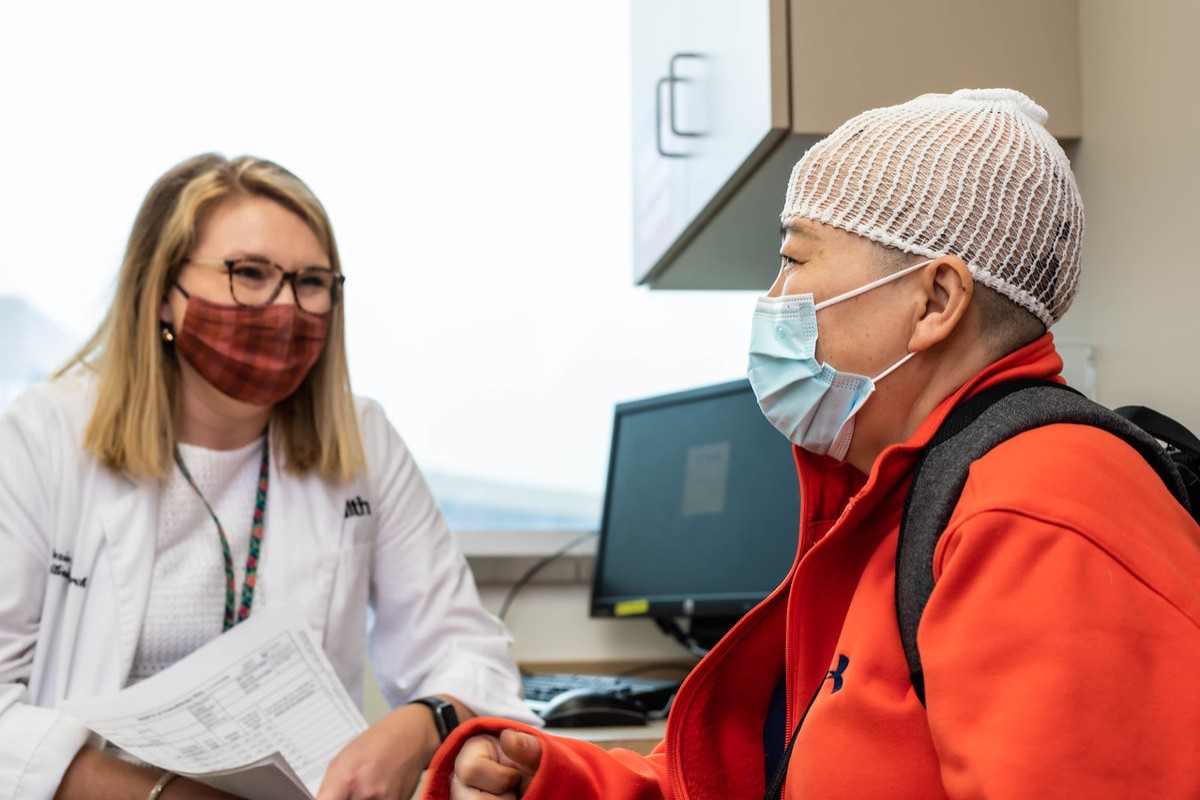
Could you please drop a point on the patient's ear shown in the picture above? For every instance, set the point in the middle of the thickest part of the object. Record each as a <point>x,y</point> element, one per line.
<point>947,287</point>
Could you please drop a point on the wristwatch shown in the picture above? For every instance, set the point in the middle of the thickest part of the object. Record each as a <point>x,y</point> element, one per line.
<point>444,715</point>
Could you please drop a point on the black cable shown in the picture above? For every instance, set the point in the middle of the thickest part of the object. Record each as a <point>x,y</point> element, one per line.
<point>673,629</point>
<point>536,568</point>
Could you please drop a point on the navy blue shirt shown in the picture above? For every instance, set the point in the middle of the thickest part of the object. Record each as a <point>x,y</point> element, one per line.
<point>775,731</point>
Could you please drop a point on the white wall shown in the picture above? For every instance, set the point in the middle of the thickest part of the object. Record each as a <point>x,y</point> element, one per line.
<point>551,624</point>
<point>1138,167</point>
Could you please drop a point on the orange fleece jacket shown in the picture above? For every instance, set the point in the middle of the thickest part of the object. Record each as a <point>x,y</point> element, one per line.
<point>1061,644</point>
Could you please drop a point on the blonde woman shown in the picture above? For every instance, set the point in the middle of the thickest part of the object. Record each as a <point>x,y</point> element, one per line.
<point>201,458</point>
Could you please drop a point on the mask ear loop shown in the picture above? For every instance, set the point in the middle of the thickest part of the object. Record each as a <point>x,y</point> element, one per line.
<point>868,287</point>
<point>892,368</point>
<point>872,285</point>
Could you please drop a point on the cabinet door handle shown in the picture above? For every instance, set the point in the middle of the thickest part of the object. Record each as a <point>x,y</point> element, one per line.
<point>658,142</point>
<point>673,79</point>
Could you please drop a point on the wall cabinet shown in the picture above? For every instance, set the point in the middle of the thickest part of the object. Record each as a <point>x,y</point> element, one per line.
<point>728,94</point>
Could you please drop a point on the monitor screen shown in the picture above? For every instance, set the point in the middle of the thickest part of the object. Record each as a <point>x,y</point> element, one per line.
<point>701,509</point>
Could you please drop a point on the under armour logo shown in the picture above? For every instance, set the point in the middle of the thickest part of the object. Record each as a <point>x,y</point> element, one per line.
<point>836,674</point>
<point>357,508</point>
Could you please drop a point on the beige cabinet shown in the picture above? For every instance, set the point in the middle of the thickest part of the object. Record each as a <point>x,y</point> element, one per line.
<point>728,94</point>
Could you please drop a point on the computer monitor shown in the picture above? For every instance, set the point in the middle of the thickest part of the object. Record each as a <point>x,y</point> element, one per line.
<point>701,511</point>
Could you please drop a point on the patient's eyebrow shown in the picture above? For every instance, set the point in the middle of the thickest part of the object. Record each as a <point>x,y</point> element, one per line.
<point>798,228</point>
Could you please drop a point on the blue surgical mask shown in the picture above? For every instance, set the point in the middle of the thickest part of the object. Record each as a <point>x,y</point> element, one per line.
<point>810,403</point>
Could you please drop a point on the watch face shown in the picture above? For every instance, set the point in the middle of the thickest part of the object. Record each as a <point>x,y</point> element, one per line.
<point>447,716</point>
<point>444,715</point>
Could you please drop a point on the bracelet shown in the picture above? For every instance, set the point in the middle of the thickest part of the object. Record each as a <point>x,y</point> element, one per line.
<point>166,778</point>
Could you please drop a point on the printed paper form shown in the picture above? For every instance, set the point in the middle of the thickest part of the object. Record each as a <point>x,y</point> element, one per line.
<point>257,712</point>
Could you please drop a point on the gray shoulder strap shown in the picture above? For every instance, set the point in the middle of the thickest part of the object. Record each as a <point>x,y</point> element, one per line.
<point>971,430</point>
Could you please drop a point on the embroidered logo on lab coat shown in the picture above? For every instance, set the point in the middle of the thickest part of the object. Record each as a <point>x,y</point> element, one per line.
<point>60,565</point>
<point>357,508</point>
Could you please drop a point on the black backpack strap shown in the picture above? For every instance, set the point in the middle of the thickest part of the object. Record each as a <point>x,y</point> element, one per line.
<point>970,430</point>
<point>1182,446</point>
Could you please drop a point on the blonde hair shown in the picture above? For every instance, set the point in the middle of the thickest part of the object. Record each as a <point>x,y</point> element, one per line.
<point>131,429</point>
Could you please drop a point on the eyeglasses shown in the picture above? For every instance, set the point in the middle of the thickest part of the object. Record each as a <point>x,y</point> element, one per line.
<point>257,282</point>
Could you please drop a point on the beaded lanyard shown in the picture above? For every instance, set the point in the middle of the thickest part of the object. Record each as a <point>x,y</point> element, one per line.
<point>256,532</point>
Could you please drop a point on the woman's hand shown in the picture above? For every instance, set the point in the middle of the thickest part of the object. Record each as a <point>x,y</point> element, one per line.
<point>96,774</point>
<point>488,767</point>
<point>386,760</point>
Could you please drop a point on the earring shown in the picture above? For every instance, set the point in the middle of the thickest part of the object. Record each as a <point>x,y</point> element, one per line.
<point>168,335</point>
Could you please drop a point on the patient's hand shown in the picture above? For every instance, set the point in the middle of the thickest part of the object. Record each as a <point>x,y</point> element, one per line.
<point>491,767</point>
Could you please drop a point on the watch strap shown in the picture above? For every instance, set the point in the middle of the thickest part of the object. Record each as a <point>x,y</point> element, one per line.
<point>444,715</point>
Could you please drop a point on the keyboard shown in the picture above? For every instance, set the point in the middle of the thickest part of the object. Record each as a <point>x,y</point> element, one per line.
<point>654,694</point>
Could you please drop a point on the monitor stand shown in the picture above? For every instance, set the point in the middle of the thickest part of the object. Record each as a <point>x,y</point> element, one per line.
<point>701,633</point>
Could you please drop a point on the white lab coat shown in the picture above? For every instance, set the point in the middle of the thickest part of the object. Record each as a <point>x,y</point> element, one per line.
<point>77,548</point>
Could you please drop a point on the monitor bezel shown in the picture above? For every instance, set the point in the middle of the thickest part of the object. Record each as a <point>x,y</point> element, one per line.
<point>724,610</point>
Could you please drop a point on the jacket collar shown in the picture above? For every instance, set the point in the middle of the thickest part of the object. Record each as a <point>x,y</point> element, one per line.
<point>828,487</point>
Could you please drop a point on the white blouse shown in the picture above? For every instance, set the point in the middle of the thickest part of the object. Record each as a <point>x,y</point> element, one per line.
<point>187,591</point>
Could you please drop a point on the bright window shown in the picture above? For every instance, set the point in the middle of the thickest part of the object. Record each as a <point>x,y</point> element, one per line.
<point>474,157</point>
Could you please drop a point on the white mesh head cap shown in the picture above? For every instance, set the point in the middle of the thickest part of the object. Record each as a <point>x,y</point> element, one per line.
<point>974,174</point>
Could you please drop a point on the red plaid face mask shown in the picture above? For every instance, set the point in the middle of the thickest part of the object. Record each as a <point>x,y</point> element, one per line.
<point>256,354</point>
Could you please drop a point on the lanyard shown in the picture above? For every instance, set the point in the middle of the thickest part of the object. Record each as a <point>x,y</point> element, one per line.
<point>234,616</point>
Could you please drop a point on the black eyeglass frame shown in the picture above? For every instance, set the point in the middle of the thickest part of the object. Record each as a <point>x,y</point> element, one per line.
<point>335,288</point>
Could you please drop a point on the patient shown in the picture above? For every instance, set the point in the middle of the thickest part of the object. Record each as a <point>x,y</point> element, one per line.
<point>927,248</point>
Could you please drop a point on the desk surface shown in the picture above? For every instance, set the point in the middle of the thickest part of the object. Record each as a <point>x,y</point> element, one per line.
<point>638,738</point>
